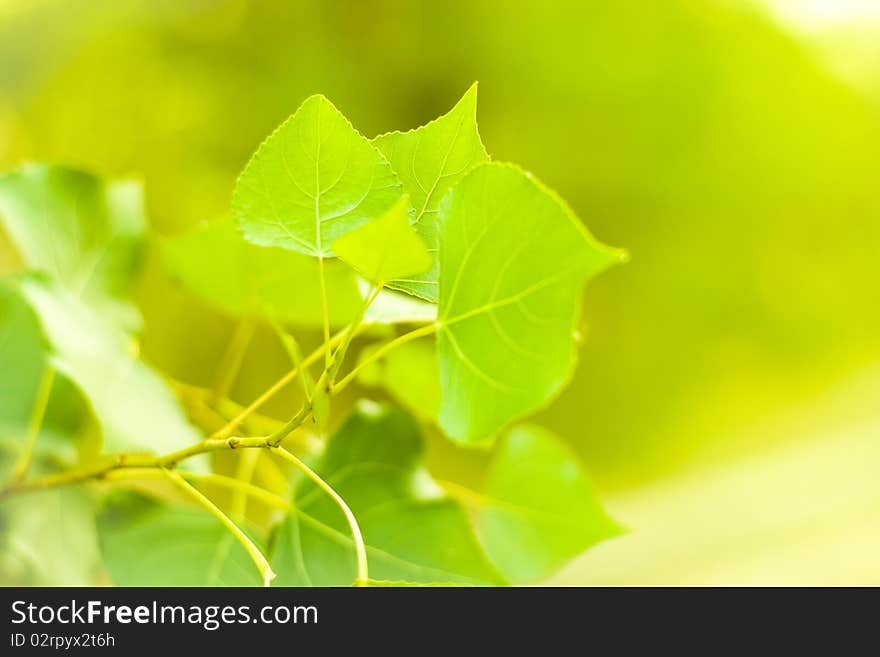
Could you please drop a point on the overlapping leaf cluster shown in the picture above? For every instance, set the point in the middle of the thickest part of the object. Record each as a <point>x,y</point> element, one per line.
<point>475,268</point>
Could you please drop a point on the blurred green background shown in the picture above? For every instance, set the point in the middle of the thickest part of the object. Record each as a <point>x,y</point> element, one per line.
<point>726,402</point>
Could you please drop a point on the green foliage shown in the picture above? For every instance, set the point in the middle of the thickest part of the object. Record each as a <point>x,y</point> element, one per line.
<point>412,530</point>
<point>430,160</point>
<point>538,510</point>
<point>136,410</point>
<point>174,547</point>
<point>84,234</point>
<point>486,267</point>
<point>312,181</point>
<point>513,260</point>
<point>244,280</point>
<point>49,539</point>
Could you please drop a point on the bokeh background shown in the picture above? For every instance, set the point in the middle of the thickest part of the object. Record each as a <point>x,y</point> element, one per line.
<point>727,403</point>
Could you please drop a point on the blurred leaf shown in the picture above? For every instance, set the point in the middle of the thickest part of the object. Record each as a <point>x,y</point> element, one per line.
<point>135,408</point>
<point>513,261</point>
<point>410,373</point>
<point>172,546</point>
<point>413,532</point>
<point>83,233</point>
<point>538,508</point>
<point>430,160</point>
<point>48,538</point>
<point>23,359</point>
<point>386,248</point>
<point>313,180</point>
<point>240,278</point>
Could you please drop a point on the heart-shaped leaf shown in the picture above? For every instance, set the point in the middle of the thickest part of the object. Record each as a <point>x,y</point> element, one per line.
<point>313,180</point>
<point>412,530</point>
<point>538,508</point>
<point>513,260</point>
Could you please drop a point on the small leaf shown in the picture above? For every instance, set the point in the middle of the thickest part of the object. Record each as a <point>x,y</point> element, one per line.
<point>242,279</point>
<point>513,260</point>
<point>84,234</point>
<point>385,248</point>
<point>412,531</point>
<point>312,181</point>
<point>539,509</point>
<point>158,545</point>
<point>134,407</point>
<point>430,160</point>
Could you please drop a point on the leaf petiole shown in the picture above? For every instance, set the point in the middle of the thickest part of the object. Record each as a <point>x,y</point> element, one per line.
<point>253,551</point>
<point>357,537</point>
<point>421,332</point>
<point>41,403</point>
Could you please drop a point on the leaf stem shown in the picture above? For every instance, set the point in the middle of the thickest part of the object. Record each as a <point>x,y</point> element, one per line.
<point>255,554</point>
<point>324,308</point>
<point>420,332</point>
<point>342,349</point>
<point>312,358</point>
<point>38,412</point>
<point>211,479</point>
<point>357,537</point>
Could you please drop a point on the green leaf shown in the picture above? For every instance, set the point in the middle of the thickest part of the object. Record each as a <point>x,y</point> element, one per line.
<point>513,260</point>
<point>48,538</point>
<point>23,361</point>
<point>83,233</point>
<point>413,532</point>
<point>385,248</point>
<point>313,180</point>
<point>539,509</point>
<point>242,279</point>
<point>172,546</point>
<point>430,160</point>
<point>134,407</point>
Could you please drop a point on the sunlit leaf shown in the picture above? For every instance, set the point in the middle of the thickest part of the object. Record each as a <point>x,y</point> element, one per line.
<point>430,160</point>
<point>539,509</point>
<point>513,260</point>
<point>413,532</point>
<point>136,410</point>
<point>239,278</point>
<point>23,362</point>
<point>155,545</point>
<point>386,248</point>
<point>313,180</point>
<point>83,233</point>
